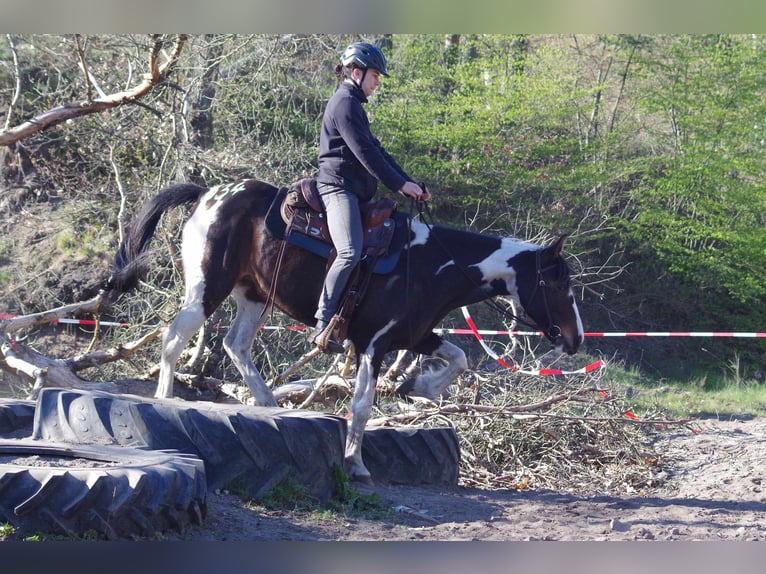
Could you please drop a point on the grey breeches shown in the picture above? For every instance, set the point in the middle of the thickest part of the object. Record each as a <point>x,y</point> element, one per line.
<point>344,221</point>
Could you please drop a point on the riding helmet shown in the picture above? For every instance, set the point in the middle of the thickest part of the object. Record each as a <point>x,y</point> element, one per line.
<point>365,56</point>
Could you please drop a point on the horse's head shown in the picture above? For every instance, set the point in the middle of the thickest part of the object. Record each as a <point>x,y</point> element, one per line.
<point>547,298</point>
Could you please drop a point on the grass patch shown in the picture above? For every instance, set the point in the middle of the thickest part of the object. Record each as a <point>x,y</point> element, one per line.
<point>6,531</point>
<point>688,401</point>
<point>699,394</point>
<point>87,536</point>
<point>9,532</point>
<point>287,494</point>
<point>351,502</point>
<point>290,496</point>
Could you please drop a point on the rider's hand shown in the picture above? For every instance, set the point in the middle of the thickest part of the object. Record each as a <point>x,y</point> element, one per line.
<point>413,190</point>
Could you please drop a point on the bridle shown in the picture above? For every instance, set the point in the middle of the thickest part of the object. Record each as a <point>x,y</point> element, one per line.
<point>553,333</point>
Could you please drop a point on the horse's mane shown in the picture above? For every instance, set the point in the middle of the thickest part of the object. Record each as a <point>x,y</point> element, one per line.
<point>470,234</point>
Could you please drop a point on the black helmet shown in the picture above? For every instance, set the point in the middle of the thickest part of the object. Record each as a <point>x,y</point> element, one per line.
<point>365,56</point>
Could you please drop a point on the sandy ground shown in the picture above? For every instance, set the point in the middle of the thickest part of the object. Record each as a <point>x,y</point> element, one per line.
<point>713,491</point>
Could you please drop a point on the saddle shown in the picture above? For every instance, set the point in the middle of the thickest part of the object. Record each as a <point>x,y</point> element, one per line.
<point>302,212</point>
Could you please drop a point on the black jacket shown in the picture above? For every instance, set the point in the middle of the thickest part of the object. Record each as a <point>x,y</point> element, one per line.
<point>349,155</point>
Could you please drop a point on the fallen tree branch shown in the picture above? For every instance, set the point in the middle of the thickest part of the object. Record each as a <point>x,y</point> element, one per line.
<point>333,390</point>
<point>91,306</point>
<point>462,407</point>
<point>110,355</point>
<point>20,365</point>
<point>321,381</point>
<point>17,88</point>
<point>521,412</point>
<point>279,379</point>
<point>47,372</point>
<point>44,371</point>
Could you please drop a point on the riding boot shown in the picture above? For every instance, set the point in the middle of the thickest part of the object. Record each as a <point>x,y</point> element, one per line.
<point>322,337</point>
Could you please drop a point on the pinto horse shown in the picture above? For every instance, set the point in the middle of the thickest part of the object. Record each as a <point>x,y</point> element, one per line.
<point>228,250</point>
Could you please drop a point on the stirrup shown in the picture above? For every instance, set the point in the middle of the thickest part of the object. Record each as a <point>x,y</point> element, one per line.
<point>324,341</point>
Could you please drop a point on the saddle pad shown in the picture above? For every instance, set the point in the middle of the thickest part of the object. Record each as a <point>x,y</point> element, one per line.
<point>383,266</point>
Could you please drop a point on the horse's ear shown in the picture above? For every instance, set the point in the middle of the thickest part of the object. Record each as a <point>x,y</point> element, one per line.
<point>558,246</point>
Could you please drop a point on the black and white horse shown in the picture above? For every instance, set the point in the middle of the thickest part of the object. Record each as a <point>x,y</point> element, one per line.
<point>228,250</point>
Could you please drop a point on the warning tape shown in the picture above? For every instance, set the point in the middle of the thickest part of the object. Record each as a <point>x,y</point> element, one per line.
<point>679,334</point>
<point>610,334</point>
<point>117,324</point>
<point>439,331</point>
<point>473,330</point>
<point>469,320</point>
<point>587,369</point>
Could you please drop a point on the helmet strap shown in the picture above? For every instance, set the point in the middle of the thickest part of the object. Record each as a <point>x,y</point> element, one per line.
<point>359,83</point>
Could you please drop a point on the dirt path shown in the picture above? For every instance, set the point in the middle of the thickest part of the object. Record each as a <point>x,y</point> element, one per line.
<point>713,492</point>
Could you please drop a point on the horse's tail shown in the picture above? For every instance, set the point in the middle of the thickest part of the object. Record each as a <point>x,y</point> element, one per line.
<point>131,263</point>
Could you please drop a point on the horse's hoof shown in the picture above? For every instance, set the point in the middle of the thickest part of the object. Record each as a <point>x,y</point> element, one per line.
<point>364,479</point>
<point>405,388</point>
<point>357,472</point>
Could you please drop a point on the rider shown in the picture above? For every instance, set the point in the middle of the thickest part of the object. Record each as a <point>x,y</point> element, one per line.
<point>351,162</point>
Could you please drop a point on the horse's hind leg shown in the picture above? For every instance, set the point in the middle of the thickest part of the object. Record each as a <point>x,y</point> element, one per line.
<point>238,344</point>
<point>432,383</point>
<point>188,321</point>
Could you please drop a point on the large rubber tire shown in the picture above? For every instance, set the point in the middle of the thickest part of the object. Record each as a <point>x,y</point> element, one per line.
<point>245,449</point>
<point>16,417</point>
<point>414,456</point>
<point>116,491</point>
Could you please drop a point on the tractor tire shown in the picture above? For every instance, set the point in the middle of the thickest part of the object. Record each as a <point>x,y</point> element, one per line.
<point>412,456</point>
<point>118,492</point>
<point>246,449</point>
<point>16,417</point>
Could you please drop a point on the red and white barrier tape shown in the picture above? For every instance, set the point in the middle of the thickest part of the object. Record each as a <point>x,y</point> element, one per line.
<point>725,334</point>
<point>491,353</point>
<point>75,321</point>
<point>679,334</point>
<point>610,334</point>
<point>586,369</point>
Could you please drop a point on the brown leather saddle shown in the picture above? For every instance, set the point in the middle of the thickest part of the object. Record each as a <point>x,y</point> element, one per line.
<point>302,212</point>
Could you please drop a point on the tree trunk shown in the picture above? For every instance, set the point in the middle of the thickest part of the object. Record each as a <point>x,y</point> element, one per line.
<point>201,114</point>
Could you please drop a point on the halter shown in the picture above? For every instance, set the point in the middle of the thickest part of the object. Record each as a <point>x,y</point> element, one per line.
<point>553,333</point>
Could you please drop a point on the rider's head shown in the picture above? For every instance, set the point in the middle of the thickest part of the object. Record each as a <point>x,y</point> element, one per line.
<point>364,55</point>
<point>357,60</point>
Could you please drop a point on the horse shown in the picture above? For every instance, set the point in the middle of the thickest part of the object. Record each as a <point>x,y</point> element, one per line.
<point>228,249</point>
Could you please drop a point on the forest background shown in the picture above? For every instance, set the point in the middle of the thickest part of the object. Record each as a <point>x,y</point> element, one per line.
<point>647,150</point>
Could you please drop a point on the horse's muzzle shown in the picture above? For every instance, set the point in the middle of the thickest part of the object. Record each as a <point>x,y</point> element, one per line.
<point>562,342</point>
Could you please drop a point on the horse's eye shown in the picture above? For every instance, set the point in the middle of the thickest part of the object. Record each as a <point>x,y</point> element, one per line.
<point>561,284</point>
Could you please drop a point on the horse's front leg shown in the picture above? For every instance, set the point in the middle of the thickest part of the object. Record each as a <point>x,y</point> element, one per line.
<point>361,406</point>
<point>431,384</point>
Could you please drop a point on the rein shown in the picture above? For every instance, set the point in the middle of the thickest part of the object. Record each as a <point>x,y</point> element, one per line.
<point>407,263</point>
<point>554,331</point>
<point>269,306</point>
